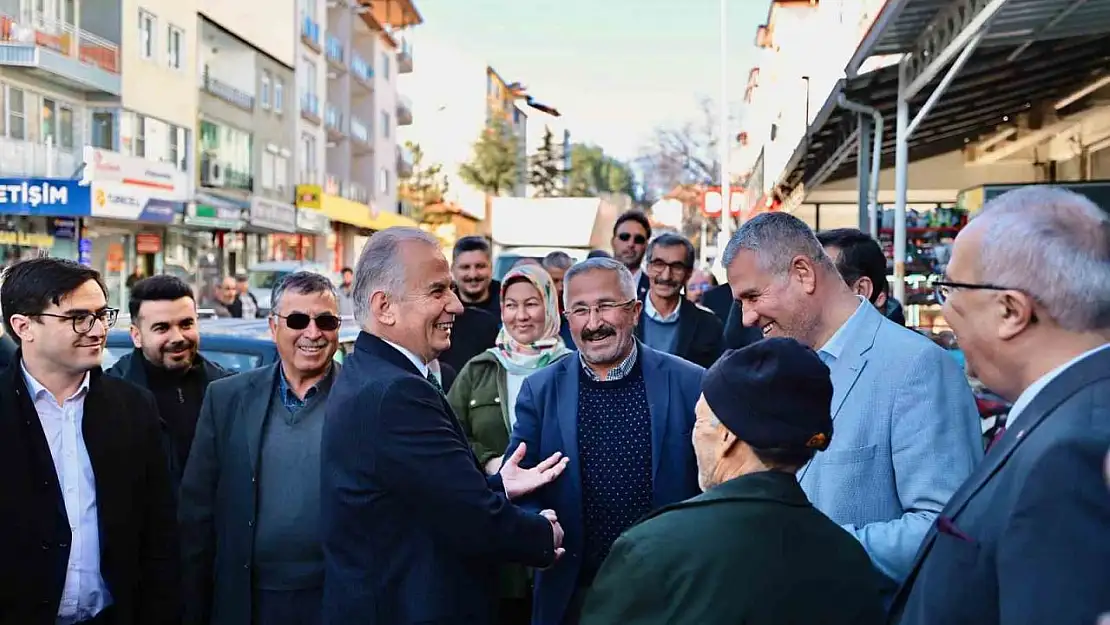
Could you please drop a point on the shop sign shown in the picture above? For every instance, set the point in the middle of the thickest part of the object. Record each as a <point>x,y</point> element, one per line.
<point>63,227</point>
<point>118,201</point>
<point>26,239</point>
<point>309,220</point>
<point>212,216</point>
<point>160,180</point>
<point>84,252</point>
<point>48,197</point>
<point>273,215</point>
<point>148,243</point>
<point>309,196</point>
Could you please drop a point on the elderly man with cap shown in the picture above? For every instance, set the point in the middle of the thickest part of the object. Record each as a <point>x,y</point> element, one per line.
<point>750,549</point>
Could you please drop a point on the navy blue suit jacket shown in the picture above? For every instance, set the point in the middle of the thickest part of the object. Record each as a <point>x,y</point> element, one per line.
<point>413,530</point>
<point>1024,540</point>
<point>547,421</point>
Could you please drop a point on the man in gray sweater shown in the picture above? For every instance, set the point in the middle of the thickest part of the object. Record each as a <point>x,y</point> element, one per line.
<point>250,496</point>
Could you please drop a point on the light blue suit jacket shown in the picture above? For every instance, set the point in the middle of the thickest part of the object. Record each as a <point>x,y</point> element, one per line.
<point>906,435</point>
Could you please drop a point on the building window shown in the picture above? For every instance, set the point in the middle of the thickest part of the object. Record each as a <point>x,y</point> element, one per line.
<point>104,130</point>
<point>279,96</point>
<point>177,146</point>
<point>307,149</point>
<point>147,25</point>
<point>383,181</point>
<point>308,76</point>
<point>226,157</point>
<point>17,114</point>
<point>281,173</point>
<point>138,137</point>
<point>57,124</point>
<point>385,65</point>
<point>385,124</point>
<point>175,47</point>
<point>268,170</point>
<point>265,100</point>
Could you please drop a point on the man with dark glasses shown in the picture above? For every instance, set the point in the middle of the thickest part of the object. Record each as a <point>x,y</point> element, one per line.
<point>630,237</point>
<point>87,521</point>
<point>250,497</point>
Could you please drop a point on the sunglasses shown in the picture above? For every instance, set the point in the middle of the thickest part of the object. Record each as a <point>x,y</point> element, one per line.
<point>326,322</point>
<point>638,239</point>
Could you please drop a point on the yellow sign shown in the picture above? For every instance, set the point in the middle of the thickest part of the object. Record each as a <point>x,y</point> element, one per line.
<point>971,200</point>
<point>357,214</point>
<point>308,196</point>
<point>26,239</point>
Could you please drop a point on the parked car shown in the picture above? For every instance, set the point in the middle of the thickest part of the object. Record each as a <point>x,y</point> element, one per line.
<point>262,277</point>
<point>234,344</point>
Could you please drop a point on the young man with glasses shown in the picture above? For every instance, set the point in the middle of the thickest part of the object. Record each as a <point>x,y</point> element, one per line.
<point>631,234</point>
<point>87,521</point>
<point>167,361</point>
<point>250,496</point>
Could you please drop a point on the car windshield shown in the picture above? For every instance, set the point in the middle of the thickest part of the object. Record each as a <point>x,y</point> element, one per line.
<point>232,361</point>
<point>265,279</point>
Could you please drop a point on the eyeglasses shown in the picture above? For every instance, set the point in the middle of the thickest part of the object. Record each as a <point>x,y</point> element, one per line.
<point>603,309</point>
<point>657,266</point>
<point>83,322</point>
<point>638,239</point>
<point>326,322</point>
<point>943,289</point>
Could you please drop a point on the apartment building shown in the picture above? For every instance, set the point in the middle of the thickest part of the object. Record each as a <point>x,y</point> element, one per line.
<point>350,55</point>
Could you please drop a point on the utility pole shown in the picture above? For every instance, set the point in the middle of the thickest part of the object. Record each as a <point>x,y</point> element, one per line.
<point>723,143</point>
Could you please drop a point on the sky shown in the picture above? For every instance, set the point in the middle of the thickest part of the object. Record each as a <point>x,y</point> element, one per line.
<point>616,69</point>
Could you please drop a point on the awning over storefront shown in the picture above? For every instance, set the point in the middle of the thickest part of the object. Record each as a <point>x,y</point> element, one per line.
<point>311,221</point>
<point>360,215</point>
<point>216,212</point>
<point>266,214</point>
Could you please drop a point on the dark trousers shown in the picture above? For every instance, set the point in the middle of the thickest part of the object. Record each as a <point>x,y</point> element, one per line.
<point>287,607</point>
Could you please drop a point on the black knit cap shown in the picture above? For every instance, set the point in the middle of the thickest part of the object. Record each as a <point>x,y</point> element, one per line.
<point>772,394</point>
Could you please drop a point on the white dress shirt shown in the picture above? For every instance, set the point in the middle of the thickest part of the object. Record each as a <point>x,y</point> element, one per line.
<point>420,365</point>
<point>84,594</point>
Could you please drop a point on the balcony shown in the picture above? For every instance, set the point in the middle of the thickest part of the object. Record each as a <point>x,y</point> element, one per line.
<point>224,91</point>
<point>333,121</point>
<point>28,159</point>
<point>350,190</point>
<point>360,132</point>
<point>404,56</point>
<point>216,174</point>
<point>310,107</point>
<point>362,71</point>
<point>66,55</point>
<point>310,33</point>
<point>404,111</point>
<point>337,56</point>
<point>405,162</point>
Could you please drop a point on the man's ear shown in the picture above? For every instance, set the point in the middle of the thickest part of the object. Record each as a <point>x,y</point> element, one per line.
<point>382,309</point>
<point>1016,312</point>
<point>136,337</point>
<point>864,287</point>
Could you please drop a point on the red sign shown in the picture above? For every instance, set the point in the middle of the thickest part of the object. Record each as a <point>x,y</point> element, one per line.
<point>148,243</point>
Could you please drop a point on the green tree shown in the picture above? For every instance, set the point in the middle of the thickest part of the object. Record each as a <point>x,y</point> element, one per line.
<point>495,165</point>
<point>426,185</point>
<point>546,174</point>
<point>593,172</point>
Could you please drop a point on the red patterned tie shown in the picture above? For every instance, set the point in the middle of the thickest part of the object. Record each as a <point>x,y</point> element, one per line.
<point>998,433</point>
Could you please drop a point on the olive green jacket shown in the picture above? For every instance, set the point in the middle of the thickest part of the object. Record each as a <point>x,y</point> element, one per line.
<point>476,397</point>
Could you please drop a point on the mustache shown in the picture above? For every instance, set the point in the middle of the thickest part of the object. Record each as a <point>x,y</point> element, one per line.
<point>310,343</point>
<point>177,346</point>
<point>665,282</point>
<point>602,332</point>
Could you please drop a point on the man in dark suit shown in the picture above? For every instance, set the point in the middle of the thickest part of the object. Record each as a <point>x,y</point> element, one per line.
<point>250,497</point>
<point>1024,540</point>
<point>761,554</point>
<point>413,530</point>
<point>87,527</point>
<point>474,331</point>
<point>622,412</point>
<point>669,322</point>
<point>631,234</point>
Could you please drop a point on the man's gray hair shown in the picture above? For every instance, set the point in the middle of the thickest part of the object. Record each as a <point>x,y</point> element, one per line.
<point>628,284</point>
<point>558,260</point>
<point>1054,245</point>
<point>380,269</point>
<point>776,238</point>
<point>670,239</point>
<point>302,282</point>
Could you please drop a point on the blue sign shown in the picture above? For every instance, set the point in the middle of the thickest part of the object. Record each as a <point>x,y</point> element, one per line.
<point>161,211</point>
<point>47,197</point>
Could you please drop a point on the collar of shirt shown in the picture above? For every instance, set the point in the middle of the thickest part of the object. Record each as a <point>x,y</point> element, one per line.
<point>290,399</point>
<point>636,277</point>
<point>420,365</point>
<point>655,315</point>
<point>616,373</point>
<point>38,389</point>
<point>834,347</point>
<point>1034,389</point>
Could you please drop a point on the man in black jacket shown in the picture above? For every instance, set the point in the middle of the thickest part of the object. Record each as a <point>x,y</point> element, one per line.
<point>77,548</point>
<point>166,360</point>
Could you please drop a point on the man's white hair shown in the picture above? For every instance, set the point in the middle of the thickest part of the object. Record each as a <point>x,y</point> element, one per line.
<point>628,284</point>
<point>380,268</point>
<point>1054,245</point>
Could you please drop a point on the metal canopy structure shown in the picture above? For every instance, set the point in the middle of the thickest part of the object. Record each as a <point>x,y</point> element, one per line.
<point>966,66</point>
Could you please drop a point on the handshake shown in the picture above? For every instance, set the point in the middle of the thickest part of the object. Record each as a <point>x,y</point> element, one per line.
<point>557,530</point>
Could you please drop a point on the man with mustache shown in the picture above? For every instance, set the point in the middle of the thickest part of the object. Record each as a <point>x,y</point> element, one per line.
<point>670,322</point>
<point>622,413</point>
<point>165,360</point>
<point>250,497</point>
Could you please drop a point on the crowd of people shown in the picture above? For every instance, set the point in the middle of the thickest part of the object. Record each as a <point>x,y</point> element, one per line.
<point>613,441</point>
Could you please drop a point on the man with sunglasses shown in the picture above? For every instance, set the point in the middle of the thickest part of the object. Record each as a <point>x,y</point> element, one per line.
<point>87,527</point>
<point>250,496</point>
<point>630,236</point>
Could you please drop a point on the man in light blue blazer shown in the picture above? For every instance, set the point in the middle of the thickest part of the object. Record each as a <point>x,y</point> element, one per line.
<point>907,430</point>
<point>622,413</point>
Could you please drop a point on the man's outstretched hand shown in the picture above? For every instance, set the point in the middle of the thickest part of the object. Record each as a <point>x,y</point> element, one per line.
<point>558,531</point>
<point>518,481</point>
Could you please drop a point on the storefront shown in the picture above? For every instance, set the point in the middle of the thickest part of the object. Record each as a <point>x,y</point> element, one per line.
<point>207,240</point>
<point>268,222</point>
<point>308,244</point>
<point>352,224</point>
<point>40,217</point>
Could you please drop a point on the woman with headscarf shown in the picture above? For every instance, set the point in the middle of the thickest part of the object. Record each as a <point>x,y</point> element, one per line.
<point>484,393</point>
